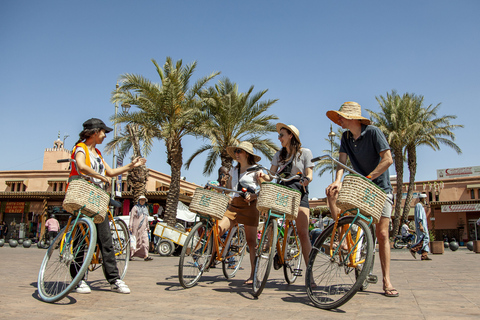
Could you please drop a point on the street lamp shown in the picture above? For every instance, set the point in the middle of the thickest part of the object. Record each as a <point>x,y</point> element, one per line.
<point>114,156</point>
<point>125,107</point>
<point>331,137</point>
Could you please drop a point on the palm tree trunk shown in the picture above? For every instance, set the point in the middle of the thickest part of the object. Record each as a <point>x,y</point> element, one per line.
<point>398,158</point>
<point>137,177</point>
<point>174,159</point>
<point>412,167</point>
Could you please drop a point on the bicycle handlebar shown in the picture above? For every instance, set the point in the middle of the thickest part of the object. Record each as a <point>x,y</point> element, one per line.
<point>316,159</point>
<point>226,189</point>
<point>272,175</point>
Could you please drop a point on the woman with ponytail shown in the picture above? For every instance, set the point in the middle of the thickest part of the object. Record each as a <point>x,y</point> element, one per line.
<point>90,162</point>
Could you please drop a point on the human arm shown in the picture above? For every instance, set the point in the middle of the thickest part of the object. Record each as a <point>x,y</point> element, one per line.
<point>265,177</point>
<point>335,187</point>
<point>385,162</point>
<point>109,172</point>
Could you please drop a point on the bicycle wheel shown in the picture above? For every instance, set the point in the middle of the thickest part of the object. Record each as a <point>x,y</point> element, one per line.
<point>234,251</point>
<point>264,257</point>
<point>292,255</point>
<point>196,255</point>
<point>370,277</point>
<point>121,245</point>
<point>331,280</point>
<point>72,249</point>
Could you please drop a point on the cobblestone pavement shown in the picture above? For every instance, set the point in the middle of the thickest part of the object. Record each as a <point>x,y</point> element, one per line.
<point>446,287</point>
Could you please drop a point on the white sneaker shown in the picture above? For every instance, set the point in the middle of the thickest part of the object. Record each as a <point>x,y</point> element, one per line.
<point>83,287</point>
<point>120,287</point>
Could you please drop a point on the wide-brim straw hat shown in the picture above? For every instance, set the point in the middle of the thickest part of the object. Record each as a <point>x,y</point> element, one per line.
<point>349,110</point>
<point>245,146</point>
<point>142,197</point>
<point>289,127</point>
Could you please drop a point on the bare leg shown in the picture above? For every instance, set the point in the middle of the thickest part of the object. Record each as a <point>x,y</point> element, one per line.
<point>302,221</point>
<point>384,250</point>
<point>224,225</point>
<point>251,234</point>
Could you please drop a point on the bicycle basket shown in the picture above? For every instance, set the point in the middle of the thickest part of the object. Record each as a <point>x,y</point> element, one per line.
<point>279,199</point>
<point>84,195</point>
<point>359,192</point>
<point>210,203</point>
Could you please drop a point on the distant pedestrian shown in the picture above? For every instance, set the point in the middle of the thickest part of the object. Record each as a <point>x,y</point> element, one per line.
<point>139,229</point>
<point>52,226</point>
<point>3,230</point>
<point>421,230</point>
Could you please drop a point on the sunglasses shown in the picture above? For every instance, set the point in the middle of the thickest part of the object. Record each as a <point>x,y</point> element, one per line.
<point>238,150</point>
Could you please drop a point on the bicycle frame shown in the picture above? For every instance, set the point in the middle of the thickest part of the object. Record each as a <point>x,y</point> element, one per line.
<point>212,231</point>
<point>281,244</point>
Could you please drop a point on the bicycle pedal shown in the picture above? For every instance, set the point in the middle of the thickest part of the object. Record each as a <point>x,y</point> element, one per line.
<point>371,278</point>
<point>234,249</point>
<point>297,272</point>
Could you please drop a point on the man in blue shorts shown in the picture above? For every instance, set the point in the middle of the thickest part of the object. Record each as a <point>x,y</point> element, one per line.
<point>368,150</point>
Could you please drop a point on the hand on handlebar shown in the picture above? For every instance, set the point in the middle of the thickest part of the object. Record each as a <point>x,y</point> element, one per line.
<point>333,188</point>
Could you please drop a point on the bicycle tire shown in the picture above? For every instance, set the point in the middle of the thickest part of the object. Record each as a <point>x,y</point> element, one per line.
<point>234,251</point>
<point>264,257</point>
<point>195,256</point>
<point>292,255</point>
<point>334,282</point>
<point>121,245</point>
<point>54,279</point>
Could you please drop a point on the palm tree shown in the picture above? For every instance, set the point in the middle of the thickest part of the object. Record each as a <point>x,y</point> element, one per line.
<point>393,122</point>
<point>168,111</point>
<point>427,131</point>
<point>129,139</point>
<point>325,165</point>
<point>230,117</point>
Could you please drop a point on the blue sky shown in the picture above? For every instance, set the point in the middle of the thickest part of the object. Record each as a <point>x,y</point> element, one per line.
<point>60,61</point>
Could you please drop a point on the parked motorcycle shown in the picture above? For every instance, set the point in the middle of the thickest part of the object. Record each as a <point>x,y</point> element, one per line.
<point>399,242</point>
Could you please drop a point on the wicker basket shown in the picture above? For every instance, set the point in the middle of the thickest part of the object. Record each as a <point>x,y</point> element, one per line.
<point>210,203</point>
<point>84,195</point>
<point>359,192</point>
<point>279,199</point>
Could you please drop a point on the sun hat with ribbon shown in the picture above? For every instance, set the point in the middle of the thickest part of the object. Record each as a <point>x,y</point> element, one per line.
<point>290,128</point>
<point>349,110</point>
<point>245,146</point>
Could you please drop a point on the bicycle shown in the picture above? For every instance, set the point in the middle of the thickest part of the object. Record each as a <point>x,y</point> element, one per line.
<point>203,243</point>
<point>341,260</point>
<point>280,251</point>
<point>75,248</point>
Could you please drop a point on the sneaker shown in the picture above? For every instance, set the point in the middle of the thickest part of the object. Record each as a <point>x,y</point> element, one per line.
<point>83,287</point>
<point>120,287</point>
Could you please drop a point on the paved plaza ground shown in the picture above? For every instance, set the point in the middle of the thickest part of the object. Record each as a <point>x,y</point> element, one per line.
<point>448,287</point>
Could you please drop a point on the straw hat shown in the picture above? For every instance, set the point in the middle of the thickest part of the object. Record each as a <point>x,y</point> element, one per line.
<point>289,127</point>
<point>349,110</point>
<point>142,197</point>
<point>245,146</point>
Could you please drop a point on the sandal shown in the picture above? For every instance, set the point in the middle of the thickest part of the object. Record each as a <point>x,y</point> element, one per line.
<point>391,293</point>
<point>148,258</point>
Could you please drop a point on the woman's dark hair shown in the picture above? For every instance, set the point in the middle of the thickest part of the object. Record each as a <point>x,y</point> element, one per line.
<point>295,144</point>
<point>250,160</point>
<point>86,133</point>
